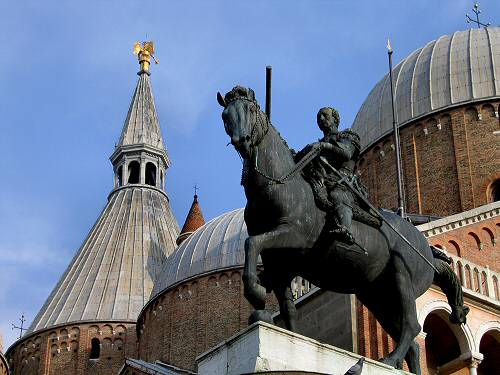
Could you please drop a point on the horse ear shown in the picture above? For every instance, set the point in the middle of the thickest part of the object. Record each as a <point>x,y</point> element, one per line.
<point>221,100</point>
<point>251,94</point>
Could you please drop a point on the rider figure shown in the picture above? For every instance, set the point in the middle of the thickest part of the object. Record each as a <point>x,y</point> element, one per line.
<point>340,149</point>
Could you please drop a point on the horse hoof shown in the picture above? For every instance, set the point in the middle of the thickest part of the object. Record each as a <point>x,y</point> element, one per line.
<point>262,316</point>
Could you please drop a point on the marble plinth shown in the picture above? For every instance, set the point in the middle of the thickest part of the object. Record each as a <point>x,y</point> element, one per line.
<point>266,348</point>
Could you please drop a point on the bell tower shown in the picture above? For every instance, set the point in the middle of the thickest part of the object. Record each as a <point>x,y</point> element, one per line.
<point>140,157</point>
<point>88,323</point>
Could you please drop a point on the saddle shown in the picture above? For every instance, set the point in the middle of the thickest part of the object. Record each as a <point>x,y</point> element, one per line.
<point>359,213</point>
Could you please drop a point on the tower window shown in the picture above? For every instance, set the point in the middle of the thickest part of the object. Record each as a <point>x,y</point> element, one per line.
<point>119,177</point>
<point>133,172</point>
<point>151,174</point>
<point>95,349</point>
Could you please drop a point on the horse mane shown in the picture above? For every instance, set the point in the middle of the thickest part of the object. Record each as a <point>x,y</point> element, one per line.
<point>240,92</point>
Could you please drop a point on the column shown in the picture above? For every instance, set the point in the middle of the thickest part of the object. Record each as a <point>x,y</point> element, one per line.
<point>473,364</point>
<point>142,172</point>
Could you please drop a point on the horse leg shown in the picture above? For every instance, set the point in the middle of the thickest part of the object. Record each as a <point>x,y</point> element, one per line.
<point>446,279</point>
<point>409,327</point>
<point>283,293</point>
<point>413,358</point>
<point>281,237</point>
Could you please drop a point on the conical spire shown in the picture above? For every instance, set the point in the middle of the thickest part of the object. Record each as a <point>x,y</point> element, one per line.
<point>194,220</point>
<point>142,125</point>
<point>112,274</point>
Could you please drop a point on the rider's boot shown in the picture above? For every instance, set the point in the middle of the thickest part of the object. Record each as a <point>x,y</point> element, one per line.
<point>344,219</point>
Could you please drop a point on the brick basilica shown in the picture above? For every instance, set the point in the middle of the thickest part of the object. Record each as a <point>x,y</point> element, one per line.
<point>142,296</point>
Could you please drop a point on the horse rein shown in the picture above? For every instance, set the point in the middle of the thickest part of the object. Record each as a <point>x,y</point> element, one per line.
<point>294,171</point>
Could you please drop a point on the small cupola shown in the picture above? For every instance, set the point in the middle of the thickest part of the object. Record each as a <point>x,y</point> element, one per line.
<point>140,156</point>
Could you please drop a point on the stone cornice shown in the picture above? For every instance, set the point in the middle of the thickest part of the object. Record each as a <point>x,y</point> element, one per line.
<point>462,219</point>
<point>140,147</point>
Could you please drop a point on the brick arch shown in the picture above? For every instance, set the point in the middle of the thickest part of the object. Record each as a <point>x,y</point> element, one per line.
<point>488,326</point>
<point>489,235</point>
<point>455,247</point>
<point>487,185</point>
<point>445,119</point>
<point>462,332</point>
<point>475,238</point>
<point>488,111</point>
<point>470,115</point>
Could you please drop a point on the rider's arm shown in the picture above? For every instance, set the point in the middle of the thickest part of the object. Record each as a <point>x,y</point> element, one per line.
<point>343,150</point>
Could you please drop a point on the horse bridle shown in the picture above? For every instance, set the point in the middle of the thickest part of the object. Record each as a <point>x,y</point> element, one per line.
<point>264,125</point>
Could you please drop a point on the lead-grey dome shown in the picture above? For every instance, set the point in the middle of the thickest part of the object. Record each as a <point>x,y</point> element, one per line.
<point>217,245</point>
<point>449,71</point>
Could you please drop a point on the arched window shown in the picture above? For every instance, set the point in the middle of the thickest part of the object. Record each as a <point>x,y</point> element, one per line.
<point>119,177</point>
<point>134,172</point>
<point>494,191</point>
<point>489,346</point>
<point>95,348</point>
<point>161,180</point>
<point>441,343</point>
<point>150,174</point>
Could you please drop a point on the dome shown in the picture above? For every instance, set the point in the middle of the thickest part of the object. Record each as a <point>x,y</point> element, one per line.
<point>217,245</point>
<point>450,71</point>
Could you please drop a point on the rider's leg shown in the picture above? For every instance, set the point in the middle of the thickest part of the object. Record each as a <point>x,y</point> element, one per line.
<point>342,208</point>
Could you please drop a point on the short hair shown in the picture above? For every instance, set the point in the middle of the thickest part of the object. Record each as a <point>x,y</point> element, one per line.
<point>334,112</point>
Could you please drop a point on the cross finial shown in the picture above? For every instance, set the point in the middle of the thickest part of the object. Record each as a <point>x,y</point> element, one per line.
<point>477,11</point>
<point>21,329</point>
<point>196,190</point>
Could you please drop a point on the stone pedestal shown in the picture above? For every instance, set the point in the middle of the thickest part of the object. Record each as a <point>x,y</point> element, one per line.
<point>266,348</point>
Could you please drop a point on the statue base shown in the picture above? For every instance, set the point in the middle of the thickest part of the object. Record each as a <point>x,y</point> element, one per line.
<point>263,347</point>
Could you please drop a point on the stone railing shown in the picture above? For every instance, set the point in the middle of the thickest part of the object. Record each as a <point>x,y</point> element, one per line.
<point>476,279</point>
<point>301,287</point>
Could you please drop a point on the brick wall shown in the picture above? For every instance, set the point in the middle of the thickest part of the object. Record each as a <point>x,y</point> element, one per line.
<point>182,323</point>
<point>66,350</point>
<point>449,160</point>
<point>477,242</point>
<point>375,343</point>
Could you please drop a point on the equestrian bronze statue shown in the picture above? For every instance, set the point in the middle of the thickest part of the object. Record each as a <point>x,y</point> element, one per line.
<point>387,265</point>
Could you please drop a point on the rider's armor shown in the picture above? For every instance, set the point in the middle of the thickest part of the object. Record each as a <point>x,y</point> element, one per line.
<point>341,151</point>
<point>342,156</point>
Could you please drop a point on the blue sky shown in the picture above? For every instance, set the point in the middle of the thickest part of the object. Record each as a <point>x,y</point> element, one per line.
<point>67,76</point>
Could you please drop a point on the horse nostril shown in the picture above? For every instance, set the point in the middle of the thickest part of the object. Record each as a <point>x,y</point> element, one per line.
<point>247,138</point>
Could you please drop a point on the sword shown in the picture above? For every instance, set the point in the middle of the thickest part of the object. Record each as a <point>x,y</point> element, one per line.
<point>375,211</point>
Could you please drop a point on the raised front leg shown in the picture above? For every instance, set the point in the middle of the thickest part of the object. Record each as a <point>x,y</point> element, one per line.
<point>279,238</point>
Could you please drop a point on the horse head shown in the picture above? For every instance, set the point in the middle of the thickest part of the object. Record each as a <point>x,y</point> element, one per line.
<point>244,122</point>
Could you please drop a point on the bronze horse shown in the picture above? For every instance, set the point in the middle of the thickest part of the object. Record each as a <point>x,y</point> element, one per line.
<point>287,229</point>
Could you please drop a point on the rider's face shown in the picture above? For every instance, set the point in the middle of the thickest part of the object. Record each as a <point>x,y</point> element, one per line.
<point>326,121</point>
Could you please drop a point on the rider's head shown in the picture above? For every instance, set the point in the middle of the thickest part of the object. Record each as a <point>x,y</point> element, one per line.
<point>328,120</point>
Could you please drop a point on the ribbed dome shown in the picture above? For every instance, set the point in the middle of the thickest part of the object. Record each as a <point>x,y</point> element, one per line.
<point>217,245</point>
<point>452,70</point>
<point>112,275</point>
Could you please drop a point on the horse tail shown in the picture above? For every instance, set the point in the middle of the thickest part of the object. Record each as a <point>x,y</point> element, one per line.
<point>446,279</point>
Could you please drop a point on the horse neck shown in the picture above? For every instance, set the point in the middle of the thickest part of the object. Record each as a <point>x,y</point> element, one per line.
<point>272,156</point>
